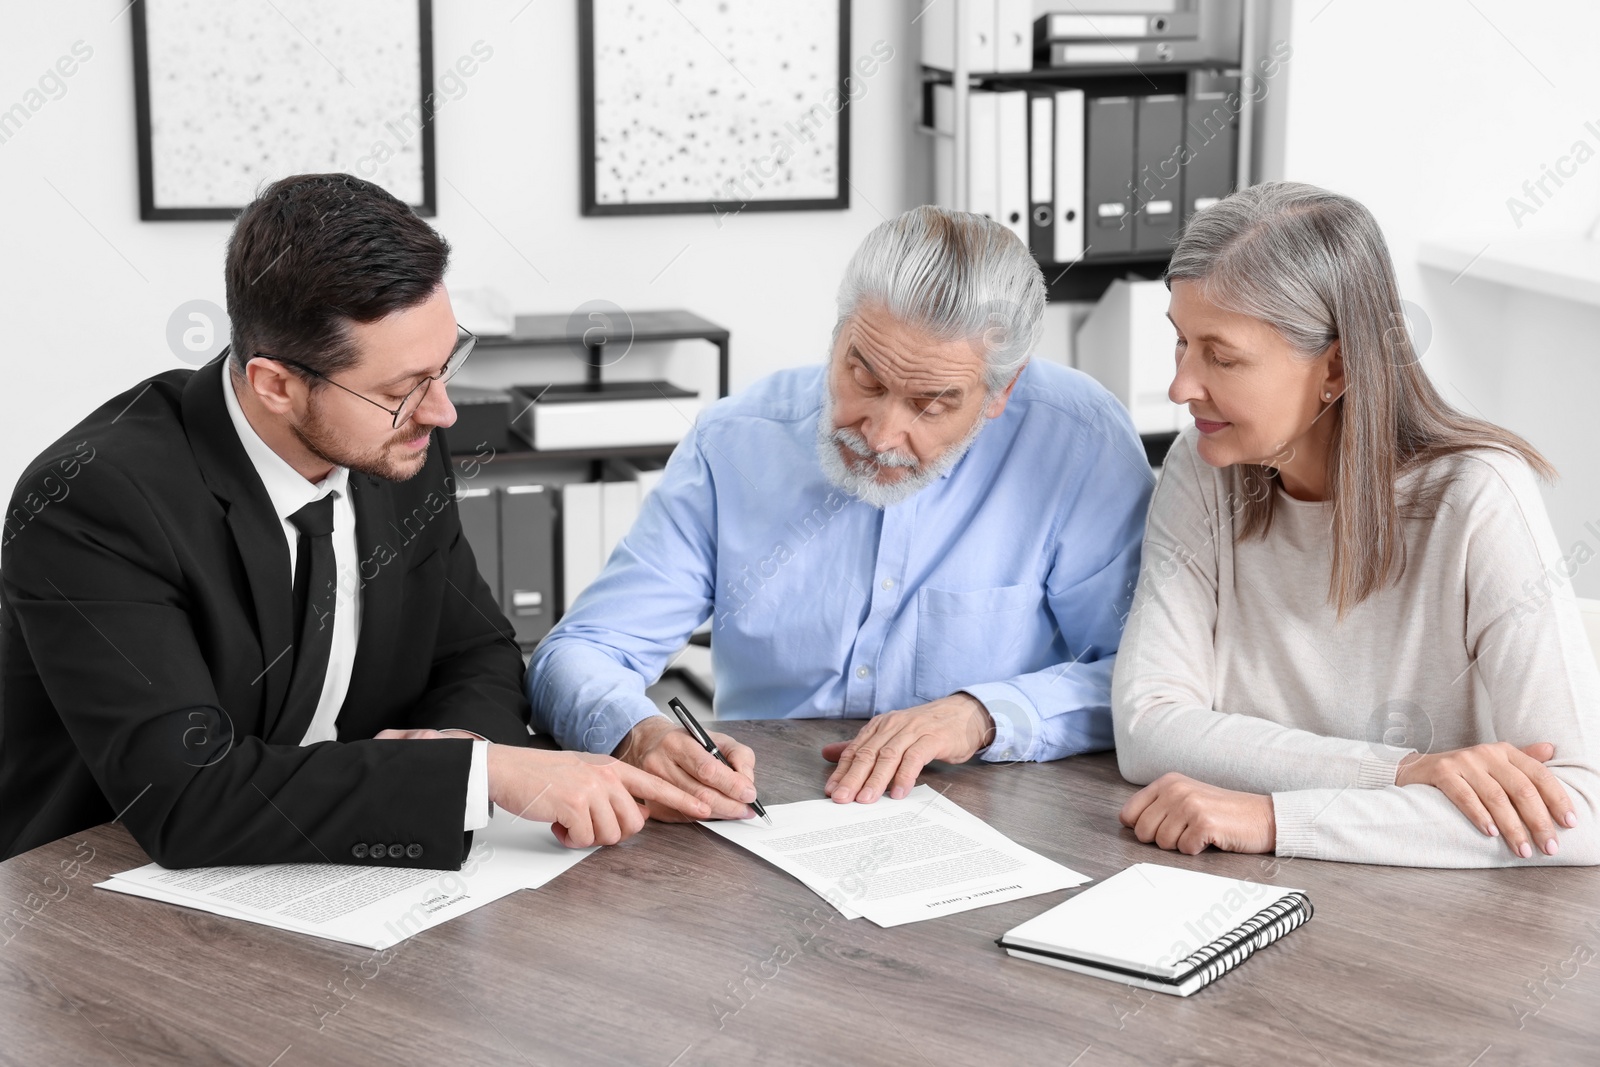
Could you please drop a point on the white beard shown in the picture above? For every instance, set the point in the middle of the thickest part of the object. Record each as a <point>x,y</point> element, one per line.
<point>861,479</point>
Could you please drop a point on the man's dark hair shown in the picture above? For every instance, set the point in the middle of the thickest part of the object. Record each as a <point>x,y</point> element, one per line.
<point>315,252</point>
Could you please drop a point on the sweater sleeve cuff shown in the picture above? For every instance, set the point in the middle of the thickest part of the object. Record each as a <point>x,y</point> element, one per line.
<point>1378,768</point>
<point>1017,724</point>
<point>1295,814</point>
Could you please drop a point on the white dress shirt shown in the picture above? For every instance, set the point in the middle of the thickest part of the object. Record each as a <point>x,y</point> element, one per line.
<point>289,492</point>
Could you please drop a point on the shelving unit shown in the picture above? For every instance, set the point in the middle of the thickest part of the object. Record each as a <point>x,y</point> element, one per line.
<point>538,474</point>
<point>646,326</point>
<point>1085,279</point>
<point>556,331</point>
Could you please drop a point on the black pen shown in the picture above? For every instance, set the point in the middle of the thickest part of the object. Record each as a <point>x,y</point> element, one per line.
<point>698,732</point>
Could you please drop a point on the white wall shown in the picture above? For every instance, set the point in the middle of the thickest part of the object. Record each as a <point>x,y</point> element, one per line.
<point>86,289</point>
<point>1433,113</point>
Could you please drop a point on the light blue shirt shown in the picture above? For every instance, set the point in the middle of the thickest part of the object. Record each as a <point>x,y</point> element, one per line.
<point>1009,578</point>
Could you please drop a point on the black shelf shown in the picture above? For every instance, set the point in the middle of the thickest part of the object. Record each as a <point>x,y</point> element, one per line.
<point>1088,279</point>
<point>642,327</point>
<point>1108,75</point>
<point>530,455</point>
<point>1104,81</point>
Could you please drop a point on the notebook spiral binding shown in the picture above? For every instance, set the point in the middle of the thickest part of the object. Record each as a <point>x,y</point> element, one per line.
<point>1237,945</point>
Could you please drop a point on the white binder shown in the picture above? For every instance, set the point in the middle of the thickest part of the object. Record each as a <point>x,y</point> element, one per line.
<point>1013,36</point>
<point>1069,175</point>
<point>983,153</point>
<point>1011,160</point>
<point>939,35</point>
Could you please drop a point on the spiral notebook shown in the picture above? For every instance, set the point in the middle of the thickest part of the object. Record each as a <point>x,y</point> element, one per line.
<point>1160,928</point>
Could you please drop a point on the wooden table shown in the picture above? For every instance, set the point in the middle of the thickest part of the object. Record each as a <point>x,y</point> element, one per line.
<point>678,948</point>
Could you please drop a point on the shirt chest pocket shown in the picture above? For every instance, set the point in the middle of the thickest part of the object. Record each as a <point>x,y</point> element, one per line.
<point>973,636</point>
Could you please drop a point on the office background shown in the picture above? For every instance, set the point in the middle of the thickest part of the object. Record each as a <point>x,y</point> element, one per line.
<point>1434,113</point>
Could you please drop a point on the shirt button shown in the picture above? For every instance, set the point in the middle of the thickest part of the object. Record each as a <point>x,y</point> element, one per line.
<point>862,672</point>
<point>888,583</point>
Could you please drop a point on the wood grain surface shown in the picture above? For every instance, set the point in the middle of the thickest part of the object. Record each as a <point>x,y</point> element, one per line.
<point>678,948</point>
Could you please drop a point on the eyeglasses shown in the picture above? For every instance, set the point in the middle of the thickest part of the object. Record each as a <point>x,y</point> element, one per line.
<point>465,340</point>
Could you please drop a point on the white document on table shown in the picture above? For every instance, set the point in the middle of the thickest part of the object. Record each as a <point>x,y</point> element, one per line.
<point>897,861</point>
<point>375,907</point>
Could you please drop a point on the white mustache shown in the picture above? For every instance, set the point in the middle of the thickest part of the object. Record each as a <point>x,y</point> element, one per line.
<point>858,444</point>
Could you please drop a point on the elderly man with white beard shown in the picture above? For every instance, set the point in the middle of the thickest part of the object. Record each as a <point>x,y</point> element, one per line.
<point>928,532</point>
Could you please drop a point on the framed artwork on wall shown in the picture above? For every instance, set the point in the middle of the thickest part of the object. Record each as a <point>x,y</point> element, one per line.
<point>229,97</point>
<point>694,105</point>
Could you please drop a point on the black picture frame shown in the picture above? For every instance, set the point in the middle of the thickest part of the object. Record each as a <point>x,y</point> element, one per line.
<point>586,138</point>
<point>149,211</point>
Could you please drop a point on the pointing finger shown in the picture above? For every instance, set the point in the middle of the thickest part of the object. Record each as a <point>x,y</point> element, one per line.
<point>646,786</point>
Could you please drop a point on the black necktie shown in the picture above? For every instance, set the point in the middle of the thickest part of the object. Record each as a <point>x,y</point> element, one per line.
<point>315,596</point>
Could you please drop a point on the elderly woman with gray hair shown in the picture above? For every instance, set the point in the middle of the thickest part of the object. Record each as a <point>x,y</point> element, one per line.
<point>1345,643</point>
<point>927,532</point>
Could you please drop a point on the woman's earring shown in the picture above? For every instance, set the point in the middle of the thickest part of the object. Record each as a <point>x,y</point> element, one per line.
<point>1327,396</point>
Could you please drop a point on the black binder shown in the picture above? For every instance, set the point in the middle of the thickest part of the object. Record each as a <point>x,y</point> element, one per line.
<point>528,580</point>
<point>480,524</point>
<point>1042,173</point>
<point>1158,173</point>
<point>1211,147</point>
<point>1108,191</point>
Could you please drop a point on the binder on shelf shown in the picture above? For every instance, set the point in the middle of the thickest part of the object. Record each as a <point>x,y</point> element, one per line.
<point>595,516</point>
<point>1109,176</point>
<point>1013,36</point>
<point>1042,173</point>
<point>1160,928</point>
<point>983,153</point>
<point>998,37</point>
<point>1011,160</point>
<point>604,415</point>
<point>643,471</point>
<point>1100,25</point>
<point>479,508</point>
<point>1211,148</point>
<point>582,535</point>
<point>1158,173</point>
<point>1069,172</point>
<point>983,148</point>
<point>528,560</point>
<point>1068,55</point>
<point>944,149</point>
<point>998,167</point>
<point>939,32</point>
<point>1205,32</point>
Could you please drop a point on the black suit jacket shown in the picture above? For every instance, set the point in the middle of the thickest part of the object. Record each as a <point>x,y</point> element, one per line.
<point>145,577</point>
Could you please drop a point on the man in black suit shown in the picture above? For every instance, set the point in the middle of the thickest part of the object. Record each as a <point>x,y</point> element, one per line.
<point>239,612</point>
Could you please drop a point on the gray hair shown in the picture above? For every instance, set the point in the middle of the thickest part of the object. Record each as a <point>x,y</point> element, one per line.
<point>955,275</point>
<point>1313,265</point>
<point>1285,253</point>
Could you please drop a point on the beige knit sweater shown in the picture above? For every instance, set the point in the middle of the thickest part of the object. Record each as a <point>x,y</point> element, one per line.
<point>1234,669</point>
